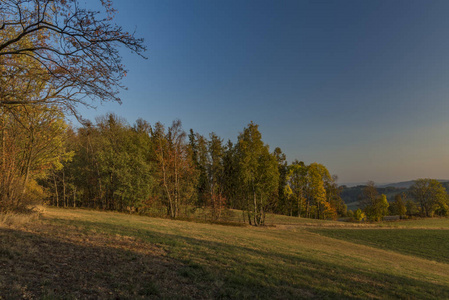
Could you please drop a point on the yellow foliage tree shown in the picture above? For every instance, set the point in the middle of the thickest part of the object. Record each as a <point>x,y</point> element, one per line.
<point>32,143</point>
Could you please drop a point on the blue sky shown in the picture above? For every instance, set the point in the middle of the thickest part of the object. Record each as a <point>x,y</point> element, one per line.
<point>360,86</point>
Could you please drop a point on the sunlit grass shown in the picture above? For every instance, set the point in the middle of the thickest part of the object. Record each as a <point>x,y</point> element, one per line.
<point>272,262</point>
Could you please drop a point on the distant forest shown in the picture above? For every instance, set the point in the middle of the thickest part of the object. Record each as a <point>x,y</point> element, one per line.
<point>352,195</point>
<point>422,197</point>
<point>355,194</point>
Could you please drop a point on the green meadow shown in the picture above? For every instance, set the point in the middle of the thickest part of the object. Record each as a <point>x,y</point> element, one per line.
<point>73,254</point>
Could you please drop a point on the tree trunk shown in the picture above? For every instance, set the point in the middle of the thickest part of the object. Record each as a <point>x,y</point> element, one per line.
<point>255,209</point>
<point>248,209</point>
<point>64,198</point>
<point>3,143</point>
<point>56,190</point>
<point>74,196</point>
<point>307,208</point>
<point>28,161</point>
<point>261,213</point>
<point>176,156</point>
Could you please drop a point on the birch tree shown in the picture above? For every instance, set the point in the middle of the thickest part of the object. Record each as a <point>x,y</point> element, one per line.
<point>259,173</point>
<point>175,167</point>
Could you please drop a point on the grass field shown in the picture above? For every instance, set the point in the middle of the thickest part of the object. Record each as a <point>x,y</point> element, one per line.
<point>71,254</point>
<point>431,223</point>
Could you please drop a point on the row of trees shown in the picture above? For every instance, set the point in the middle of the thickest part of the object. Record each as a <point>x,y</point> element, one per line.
<point>54,56</point>
<point>426,197</point>
<point>156,170</point>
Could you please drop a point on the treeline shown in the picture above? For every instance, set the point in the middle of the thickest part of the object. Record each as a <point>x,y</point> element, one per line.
<point>425,198</point>
<point>355,193</point>
<point>155,170</point>
<point>163,171</point>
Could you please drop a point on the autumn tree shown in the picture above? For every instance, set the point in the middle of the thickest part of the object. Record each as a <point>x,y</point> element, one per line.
<point>317,204</point>
<point>216,175</point>
<point>333,196</point>
<point>280,203</point>
<point>369,195</point>
<point>377,209</point>
<point>176,172</point>
<point>59,180</point>
<point>359,215</point>
<point>312,192</point>
<point>259,173</point>
<point>231,171</point>
<point>112,167</point>
<point>74,50</point>
<point>398,207</point>
<point>374,205</point>
<point>86,168</point>
<point>295,189</point>
<point>23,79</point>
<point>431,196</point>
<point>411,208</point>
<point>32,142</point>
<point>199,156</point>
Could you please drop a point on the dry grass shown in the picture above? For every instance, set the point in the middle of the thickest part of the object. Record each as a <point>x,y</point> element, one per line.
<point>11,219</point>
<point>54,262</point>
<point>90,254</point>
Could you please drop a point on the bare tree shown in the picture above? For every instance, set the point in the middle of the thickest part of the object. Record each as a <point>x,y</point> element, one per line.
<point>71,53</point>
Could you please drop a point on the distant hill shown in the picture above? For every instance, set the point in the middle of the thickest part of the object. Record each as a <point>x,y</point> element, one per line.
<point>406,184</point>
<point>351,195</point>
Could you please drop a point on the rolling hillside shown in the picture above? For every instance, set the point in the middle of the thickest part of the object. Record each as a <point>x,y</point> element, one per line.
<point>406,184</point>
<point>351,195</point>
<point>90,254</point>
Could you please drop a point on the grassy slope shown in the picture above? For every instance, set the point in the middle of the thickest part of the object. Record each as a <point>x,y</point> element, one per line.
<point>115,255</point>
<point>433,223</point>
<point>426,243</point>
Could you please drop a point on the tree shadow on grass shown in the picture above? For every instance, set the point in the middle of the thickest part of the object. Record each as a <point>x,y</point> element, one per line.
<point>35,266</point>
<point>221,270</point>
<point>429,244</point>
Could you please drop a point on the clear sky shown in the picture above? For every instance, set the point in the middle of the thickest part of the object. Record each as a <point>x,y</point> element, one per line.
<point>359,86</point>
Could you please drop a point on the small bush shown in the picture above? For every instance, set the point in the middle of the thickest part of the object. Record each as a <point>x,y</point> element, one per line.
<point>12,219</point>
<point>15,200</point>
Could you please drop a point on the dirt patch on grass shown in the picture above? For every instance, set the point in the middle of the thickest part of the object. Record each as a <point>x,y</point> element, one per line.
<point>45,260</point>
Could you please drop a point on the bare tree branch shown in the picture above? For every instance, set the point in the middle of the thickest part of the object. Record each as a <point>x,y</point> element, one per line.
<point>71,49</point>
